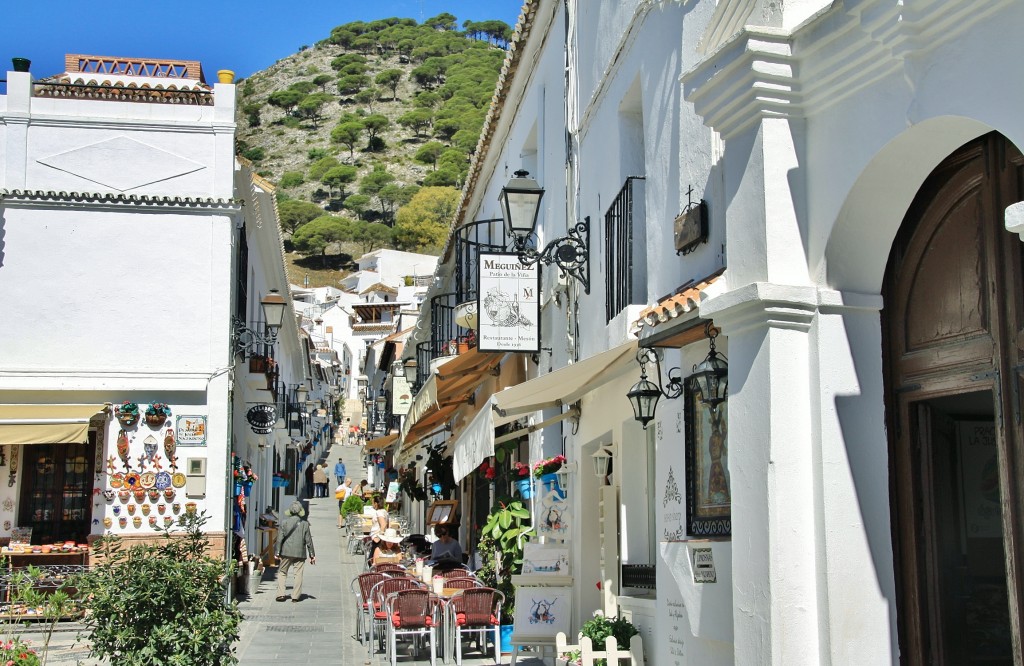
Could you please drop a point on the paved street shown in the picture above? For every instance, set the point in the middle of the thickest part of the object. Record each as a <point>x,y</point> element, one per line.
<point>321,628</point>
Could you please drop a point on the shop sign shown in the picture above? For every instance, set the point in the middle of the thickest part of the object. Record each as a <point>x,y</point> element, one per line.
<point>401,396</point>
<point>703,566</point>
<point>262,419</point>
<point>508,305</point>
<point>191,430</point>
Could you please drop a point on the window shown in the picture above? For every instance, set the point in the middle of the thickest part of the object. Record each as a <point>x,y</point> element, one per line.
<point>625,247</point>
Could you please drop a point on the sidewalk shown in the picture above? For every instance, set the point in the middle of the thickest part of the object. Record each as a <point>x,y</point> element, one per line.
<point>320,629</point>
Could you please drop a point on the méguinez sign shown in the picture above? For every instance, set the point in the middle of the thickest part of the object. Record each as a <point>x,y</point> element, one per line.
<point>508,304</point>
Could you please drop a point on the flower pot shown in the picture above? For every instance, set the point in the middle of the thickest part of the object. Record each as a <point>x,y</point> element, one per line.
<point>257,364</point>
<point>506,638</point>
<point>156,420</point>
<point>549,482</point>
<point>21,64</point>
<point>225,76</point>
<point>523,486</point>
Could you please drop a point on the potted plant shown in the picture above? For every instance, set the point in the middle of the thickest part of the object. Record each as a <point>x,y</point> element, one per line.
<point>127,413</point>
<point>548,466</point>
<point>257,364</point>
<point>157,414</point>
<point>502,537</point>
<point>521,479</point>
<point>599,628</point>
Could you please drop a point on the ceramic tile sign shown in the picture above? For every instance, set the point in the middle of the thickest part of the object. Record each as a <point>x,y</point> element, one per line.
<point>703,565</point>
<point>191,430</point>
<point>509,304</point>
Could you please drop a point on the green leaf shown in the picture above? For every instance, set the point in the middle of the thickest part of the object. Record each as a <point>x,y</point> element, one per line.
<point>505,519</point>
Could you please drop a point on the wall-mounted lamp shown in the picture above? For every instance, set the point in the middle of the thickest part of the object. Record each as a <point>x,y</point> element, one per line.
<point>644,395</point>
<point>410,369</point>
<point>273,305</point>
<point>712,374</point>
<point>601,460</point>
<point>300,394</point>
<point>520,205</point>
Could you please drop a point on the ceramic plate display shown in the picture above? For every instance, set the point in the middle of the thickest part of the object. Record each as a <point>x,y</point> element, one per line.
<point>116,480</point>
<point>148,479</point>
<point>132,480</point>
<point>178,480</point>
<point>163,480</point>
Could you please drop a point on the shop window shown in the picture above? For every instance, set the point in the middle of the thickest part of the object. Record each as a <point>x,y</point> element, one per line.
<point>56,491</point>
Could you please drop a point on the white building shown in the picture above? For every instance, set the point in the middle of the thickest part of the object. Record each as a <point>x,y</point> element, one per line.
<point>859,493</point>
<point>122,203</point>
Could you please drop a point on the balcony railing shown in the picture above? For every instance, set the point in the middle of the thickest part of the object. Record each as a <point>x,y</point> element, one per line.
<point>470,240</point>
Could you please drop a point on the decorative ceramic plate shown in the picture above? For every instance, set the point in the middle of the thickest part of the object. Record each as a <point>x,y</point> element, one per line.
<point>148,479</point>
<point>163,480</point>
<point>116,480</point>
<point>178,480</point>
<point>132,480</point>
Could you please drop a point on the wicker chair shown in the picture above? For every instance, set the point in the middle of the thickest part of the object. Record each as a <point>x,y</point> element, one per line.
<point>378,596</point>
<point>457,572</point>
<point>411,612</point>
<point>388,567</point>
<point>476,610</point>
<point>361,586</point>
<point>462,583</point>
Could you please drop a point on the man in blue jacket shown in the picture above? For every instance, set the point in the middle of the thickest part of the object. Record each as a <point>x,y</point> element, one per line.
<point>339,471</point>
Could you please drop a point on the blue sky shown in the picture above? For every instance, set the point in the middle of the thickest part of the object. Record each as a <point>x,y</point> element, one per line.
<point>222,34</point>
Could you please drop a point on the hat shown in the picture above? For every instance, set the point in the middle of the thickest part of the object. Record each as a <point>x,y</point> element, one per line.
<point>391,536</point>
<point>296,509</point>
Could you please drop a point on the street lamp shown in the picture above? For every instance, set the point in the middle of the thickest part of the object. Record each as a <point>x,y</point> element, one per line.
<point>601,460</point>
<point>520,206</point>
<point>300,394</point>
<point>273,305</point>
<point>644,395</point>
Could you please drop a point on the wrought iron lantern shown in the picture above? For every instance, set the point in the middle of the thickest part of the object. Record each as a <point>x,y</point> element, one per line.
<point>712,374</point>
<point>644,395</point>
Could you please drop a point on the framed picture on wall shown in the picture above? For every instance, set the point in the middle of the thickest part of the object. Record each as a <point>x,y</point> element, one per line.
<point>542,612</point>
<point>709,498</point>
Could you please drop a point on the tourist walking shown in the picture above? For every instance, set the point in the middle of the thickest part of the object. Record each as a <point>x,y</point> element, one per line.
<point>320,481</point>
<point>309,479</point>
<point>295,542</point>
<point>339,471</point>
<point>342,493</point>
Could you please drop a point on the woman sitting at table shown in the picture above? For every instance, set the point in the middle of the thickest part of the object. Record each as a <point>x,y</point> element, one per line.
<point>446,552</point>
<point>388,549</point>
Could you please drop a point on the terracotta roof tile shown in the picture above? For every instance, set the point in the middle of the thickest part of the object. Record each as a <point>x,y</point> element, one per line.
<point>685,299</point>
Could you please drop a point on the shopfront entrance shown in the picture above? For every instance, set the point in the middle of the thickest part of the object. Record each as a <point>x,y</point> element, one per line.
<point>56,491</point>
<point>954,344</point>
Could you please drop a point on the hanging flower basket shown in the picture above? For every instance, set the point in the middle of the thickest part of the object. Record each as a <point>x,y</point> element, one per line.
<point>157,414</point>
<point>127,413</point>
<point>548,466</point>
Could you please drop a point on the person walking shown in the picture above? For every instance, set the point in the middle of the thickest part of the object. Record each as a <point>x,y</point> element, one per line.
<point>309,480</point>
<point>342,493</point>
<point>296,540</point>
<point>339,471</point>
<point>320,481</point>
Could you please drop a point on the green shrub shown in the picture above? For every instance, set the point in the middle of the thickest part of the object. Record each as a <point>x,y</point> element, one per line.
<point>352,504</point>
<point>291,178</point>
<point>160,603</point>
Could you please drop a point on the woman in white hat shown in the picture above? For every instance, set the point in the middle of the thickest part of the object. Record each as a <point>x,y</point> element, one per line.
<point>388,549</point>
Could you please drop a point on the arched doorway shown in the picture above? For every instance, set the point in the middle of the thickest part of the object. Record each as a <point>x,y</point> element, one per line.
<point>954,343</point>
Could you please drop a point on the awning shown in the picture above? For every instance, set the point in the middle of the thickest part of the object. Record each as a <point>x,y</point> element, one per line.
<point>565,385</point>
<point>476,442</point>
<point>46,424</point>
<point>380,443</point>
<point>447,389</point>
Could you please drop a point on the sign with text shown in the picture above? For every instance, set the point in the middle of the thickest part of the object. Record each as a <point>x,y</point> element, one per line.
<point>509,304</point>
<point>191,430</point>
<point>703,566</point>
<point>401,395</point>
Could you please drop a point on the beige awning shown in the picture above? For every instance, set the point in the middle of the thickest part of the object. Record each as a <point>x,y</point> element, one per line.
<point>380,443</point>
<point>46,424</point>
<point>565,385</point>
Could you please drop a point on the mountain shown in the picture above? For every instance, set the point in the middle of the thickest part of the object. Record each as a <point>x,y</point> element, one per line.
<point>368,134</point>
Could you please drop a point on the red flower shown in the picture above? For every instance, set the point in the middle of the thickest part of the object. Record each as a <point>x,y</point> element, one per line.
<point>490,473</point>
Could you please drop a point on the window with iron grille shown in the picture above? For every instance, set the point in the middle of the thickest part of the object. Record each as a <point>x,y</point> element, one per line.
<point>625,245</point>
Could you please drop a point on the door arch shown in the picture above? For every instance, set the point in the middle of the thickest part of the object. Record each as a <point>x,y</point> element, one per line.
<point>953,328</point>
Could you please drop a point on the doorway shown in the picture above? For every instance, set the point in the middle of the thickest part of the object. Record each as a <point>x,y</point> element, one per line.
<point>56,491</point>
<point>953,335</point>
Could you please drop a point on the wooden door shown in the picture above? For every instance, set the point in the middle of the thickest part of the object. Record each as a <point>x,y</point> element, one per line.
<point>953,348</point>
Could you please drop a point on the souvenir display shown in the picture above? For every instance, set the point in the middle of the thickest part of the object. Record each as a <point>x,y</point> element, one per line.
<point>116,480</point>
<point>176,508</point>
<point>131,509</point>
<point>163,480</point>
<point>149,445</point>
<point>190,507</point>
<point>142,461</point>
<point>170,446</point>
<point>140,494</point>
<point>123,521</point>
<point>109,494</point>
<point>117,510</point>
<point>8,504</point>
<point>124,495</point>
<point>161,508</point>
<point>155,461</point>
<point>122,448</point>
<point>111,464</point>
<point>7,525</point>
<point>137,521</point>
<point>178,480</point>
<point>167,521</point>
<point>146,508</point>
<point>132,480</point>
<point>152,521</point>
<point>108,522</point>
<point>168,494</point>
<point>147,479</point>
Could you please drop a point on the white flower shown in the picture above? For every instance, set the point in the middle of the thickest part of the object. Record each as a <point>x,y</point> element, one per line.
<point>598,613</point>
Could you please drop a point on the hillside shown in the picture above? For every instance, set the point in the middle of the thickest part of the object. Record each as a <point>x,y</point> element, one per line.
<point>368,134</point>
